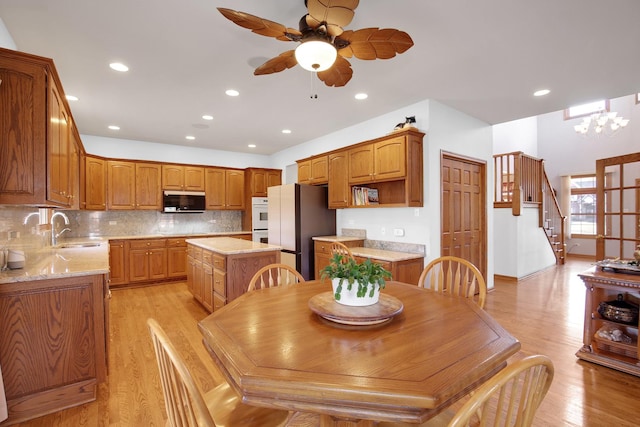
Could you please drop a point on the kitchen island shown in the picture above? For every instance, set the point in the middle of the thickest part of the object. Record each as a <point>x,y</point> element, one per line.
<point>219,268</point>
<point>54,334</point>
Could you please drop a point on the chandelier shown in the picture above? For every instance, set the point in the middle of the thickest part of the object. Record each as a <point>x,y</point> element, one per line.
<point>600,123</point>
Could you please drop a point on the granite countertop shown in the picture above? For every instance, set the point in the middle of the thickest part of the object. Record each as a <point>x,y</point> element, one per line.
<point>384,255</point>
<point>53,263</point>
<point>337,238</point>
<point>230,246</point>
<point>380,254</point>
<point>175,235</point>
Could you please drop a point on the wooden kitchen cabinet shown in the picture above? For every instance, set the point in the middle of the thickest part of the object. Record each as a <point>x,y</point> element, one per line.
<point>183,177</point>
<point>322,253</point>
<point>382,160</point>
<point>95,183</point>
<point>121,185</point>
<point>53,343</point>
<point>605,286</point>
<point>339,192</point>
<point>148,186</point>
<point>224,188</point>
<point>229,275</point>
<point>392,165</point>
<point>257,180</point>
<point>133,185</point>
<point>176,257</point>
<point>403,270</point>
<point>147,260</point>
<point>117,263</point>
<point>314,171</point>
<point>38,165</point>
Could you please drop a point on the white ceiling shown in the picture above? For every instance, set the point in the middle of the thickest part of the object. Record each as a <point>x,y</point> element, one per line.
<point>484,58</point>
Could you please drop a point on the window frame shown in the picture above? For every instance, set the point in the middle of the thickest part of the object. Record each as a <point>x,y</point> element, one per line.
<point>607,108</point>
<point>584,191</point>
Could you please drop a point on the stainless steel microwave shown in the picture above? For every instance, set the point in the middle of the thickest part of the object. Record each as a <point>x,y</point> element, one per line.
<point>183,202</point>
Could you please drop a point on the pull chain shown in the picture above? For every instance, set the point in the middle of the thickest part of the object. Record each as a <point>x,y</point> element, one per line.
<point>313,95</point>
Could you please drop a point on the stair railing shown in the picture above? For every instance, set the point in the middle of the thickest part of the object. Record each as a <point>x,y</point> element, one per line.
<point>520,180</point>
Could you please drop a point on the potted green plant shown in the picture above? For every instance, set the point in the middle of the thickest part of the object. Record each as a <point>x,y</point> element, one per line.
<point>355,284</point>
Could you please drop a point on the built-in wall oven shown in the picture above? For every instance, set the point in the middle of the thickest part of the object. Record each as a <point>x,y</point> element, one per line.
<point>259,219</point>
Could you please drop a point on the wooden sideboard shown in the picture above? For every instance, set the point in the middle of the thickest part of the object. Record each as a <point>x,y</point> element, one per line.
<point>606,286</point>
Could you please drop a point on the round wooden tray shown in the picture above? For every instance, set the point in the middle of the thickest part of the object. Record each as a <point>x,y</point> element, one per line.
<point>325,306</point>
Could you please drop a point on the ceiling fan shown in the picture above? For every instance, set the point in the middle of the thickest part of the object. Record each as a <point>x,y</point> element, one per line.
<point>324,45</point>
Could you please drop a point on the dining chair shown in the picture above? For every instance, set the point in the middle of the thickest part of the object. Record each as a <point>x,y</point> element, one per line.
<point>187,407</point>
<point>456,276</point>
<point>342,249</point>
<point>509,398</point>
<point>274,275</point>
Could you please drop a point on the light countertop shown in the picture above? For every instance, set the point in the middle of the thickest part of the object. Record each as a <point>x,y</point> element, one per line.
<point>53,263</point>
<point>230,246</point>
<point>384,255</point>
<point>380,254</point>
<point>340,239</point>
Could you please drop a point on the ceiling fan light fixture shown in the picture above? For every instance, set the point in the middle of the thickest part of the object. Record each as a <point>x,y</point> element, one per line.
<point>316,55</point>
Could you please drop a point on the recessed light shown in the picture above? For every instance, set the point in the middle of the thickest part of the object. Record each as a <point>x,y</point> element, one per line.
<point>114,127</point>
<point>232,92</point>
<point>190,137</point>
<point>361,96</point>
<point>286,131</point>
<point>71,98</point>
<point>207,117</point>
<point>541,92</point>
<point>118,66</point>
<point>251,145</point>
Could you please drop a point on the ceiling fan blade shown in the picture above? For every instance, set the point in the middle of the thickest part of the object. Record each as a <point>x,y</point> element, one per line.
<point>336,13</point>
<point>281,62</point>
<point>338,75</point>
<point>375,43</point>
<point>261,26</point>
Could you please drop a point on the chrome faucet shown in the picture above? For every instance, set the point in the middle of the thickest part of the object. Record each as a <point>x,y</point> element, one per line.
<point>55,236</point>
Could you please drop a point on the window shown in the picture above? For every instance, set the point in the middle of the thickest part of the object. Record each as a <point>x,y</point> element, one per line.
<point>583,205</point>
<point>584,110</point>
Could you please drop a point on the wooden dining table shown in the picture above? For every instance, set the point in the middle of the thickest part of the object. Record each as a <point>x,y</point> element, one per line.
<point>276,352</point>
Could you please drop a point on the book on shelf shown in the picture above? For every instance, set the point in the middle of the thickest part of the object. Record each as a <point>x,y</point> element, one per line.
<point>363,196</point>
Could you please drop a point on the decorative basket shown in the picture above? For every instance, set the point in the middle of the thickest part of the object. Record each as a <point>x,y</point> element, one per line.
<point>628,350</point>
<point>619,310</point>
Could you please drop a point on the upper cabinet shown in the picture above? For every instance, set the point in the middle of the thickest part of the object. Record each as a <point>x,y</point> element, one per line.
<point>224,188</point>
<point>133,185</point>
<point>259,179</point>
<point>183,178</point>
<point>384,172</point>
<point>40,159</point>
<point>94,194</point>
<point>314,170</point>
<point>379,161</point>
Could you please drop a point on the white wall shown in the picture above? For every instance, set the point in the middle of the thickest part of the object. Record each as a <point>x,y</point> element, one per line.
<point>446,130</point>
<point>518,135</point>
<point>567,153</point>
<point>6,40</point>
<point>153,151</point>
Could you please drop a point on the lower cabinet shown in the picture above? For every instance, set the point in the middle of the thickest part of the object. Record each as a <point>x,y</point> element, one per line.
<point>407,271</point>
<point>135,262</point>
<point>53,343</point>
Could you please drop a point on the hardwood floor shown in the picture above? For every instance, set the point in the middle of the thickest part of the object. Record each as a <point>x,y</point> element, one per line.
<point>545,312</point>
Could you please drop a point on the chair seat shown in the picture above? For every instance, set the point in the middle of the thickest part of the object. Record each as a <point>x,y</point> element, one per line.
<point>227,410</point>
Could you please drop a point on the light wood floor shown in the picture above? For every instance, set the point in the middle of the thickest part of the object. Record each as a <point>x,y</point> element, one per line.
<point>544,312</point>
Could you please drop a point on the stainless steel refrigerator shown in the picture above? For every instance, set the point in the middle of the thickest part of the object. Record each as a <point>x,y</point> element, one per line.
<point>296,213</point>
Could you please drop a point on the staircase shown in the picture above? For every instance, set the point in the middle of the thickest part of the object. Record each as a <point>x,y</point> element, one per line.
<point>521,181</point>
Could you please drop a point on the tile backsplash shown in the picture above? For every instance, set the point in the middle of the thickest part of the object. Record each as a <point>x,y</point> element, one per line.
<point>19,225</point>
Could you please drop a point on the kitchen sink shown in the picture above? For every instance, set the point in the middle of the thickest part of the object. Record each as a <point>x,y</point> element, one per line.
<point>78,245</point>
